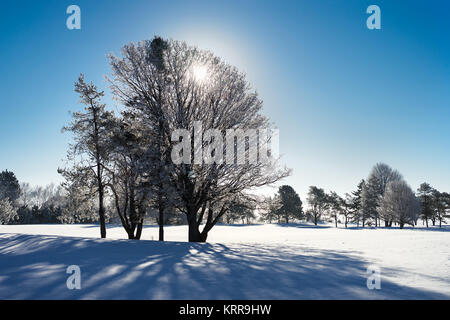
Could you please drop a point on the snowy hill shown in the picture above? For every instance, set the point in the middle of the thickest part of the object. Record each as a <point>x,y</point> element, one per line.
<point>238,262</point>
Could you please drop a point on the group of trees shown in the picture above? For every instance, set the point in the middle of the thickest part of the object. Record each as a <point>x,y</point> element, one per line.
<point>121,165</point>
<point>22,204</point>
<point>285,206</point>
<point>383,196</point>
<point>125,160</point>
<point>434,204</point>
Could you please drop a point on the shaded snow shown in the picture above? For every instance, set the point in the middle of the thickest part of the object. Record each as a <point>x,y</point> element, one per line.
<point>239,262</point>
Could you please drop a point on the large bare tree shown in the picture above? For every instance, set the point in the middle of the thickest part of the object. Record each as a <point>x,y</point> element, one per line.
<point>170,86</point>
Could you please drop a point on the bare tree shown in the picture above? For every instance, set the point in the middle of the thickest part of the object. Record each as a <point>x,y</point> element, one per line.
<point>381,175</point>
<point>166,92</point>
<point>400,203</point>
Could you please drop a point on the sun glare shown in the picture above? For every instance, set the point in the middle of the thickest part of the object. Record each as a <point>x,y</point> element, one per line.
<point>200,72</point>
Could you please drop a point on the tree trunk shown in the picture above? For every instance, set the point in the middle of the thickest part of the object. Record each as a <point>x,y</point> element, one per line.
<point>101,213</point>
<point>101,188</point>
<point>139,230</point>
<point>401,225</point>
<point>161,222</point>
<point>194,233</point>
<point>426,221</point>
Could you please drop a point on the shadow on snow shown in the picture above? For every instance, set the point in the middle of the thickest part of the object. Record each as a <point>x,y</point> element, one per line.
<point>34,267</point>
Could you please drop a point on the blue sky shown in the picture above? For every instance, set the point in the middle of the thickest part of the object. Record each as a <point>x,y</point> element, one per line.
<point>344,97</point>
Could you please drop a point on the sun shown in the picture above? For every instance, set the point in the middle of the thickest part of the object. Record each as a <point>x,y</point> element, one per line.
<point>200,72</point>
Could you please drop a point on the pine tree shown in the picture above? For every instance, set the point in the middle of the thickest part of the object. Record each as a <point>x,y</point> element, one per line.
<point>291,205</point>
<point>318,203</point>
<point>9,186</point>
<point>355,205</point>
<point>441,204</point>
<point>369,200</point>
<point>425,194</point>
<point>89,152</point>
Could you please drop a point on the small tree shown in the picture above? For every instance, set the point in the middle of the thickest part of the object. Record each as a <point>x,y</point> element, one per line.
<point>441,203</point>
<point>336,207</point>
<point>7,211</point>
<point>369,200</point>
<point>355,205</point>
<point>269,208</point>
<point>79,205</point>
<point>243,209</point>
<point>400,203</point>
<point>425,195</point>
<point>318,202</point>
<point>347,204</point>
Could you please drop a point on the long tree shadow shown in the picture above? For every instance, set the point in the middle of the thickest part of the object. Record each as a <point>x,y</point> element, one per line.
<point>34,267</point>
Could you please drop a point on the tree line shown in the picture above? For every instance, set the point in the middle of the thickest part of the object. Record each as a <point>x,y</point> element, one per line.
<point>384,198</point>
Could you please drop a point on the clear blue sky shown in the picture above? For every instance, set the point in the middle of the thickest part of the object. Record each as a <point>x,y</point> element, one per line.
<point>344,97</point>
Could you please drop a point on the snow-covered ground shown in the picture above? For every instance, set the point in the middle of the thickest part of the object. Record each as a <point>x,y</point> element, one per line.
<point>296,261</point>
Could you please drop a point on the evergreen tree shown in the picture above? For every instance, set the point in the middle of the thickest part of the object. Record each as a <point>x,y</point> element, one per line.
<point>291,205</point>
<point>9,187</point>
<point>318,203</point>
<point>355,204</point>
<point>89,152</point>
<point>425,194</point>
<point>441,204</point>
<point>369,200</point>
